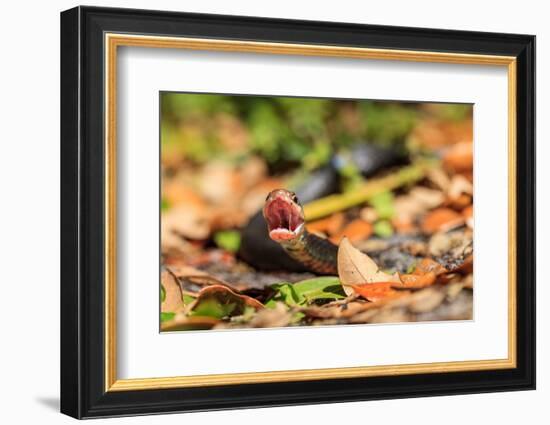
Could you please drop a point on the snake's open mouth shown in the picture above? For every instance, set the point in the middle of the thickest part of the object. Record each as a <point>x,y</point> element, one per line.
<point>285,219</point>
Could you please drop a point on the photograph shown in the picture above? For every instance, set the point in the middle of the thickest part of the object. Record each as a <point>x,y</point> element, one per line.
<point>303,212</point>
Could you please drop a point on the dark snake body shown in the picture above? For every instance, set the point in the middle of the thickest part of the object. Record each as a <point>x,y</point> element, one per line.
<point>315,253</point>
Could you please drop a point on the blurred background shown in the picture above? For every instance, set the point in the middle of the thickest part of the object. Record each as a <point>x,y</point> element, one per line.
<point>222,154</point>
<point>299,132</point>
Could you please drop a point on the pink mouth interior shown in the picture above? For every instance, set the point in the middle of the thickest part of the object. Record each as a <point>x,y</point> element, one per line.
<point>282,219</point>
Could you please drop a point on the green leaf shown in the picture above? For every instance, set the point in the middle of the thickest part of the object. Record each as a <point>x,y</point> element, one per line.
<point>383,228</point>
<point>272,303</point>
<point>213,308</point>
<point>285,293</point>
<point>411,268</point>
<point>307,291</point>
<point>188,299</point>
<point>387,123</point>
<point>297,317</point>
<point>164,205</point>
<point>162,293</point>
<point>166,316</point>
<point>230,240</point>
<point>383,204</point>
<point>351,176</point>
<point>326,287</point>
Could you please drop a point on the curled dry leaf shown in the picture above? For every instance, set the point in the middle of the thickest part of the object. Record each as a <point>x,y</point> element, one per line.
<point>425,274</point>
<point>219,301</point>
<point>193,279</point>
<point>427,265</point>
<point>356,268</point>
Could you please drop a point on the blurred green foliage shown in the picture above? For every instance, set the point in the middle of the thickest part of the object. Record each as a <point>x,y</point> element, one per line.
<point>383,205</point>
<point>165,317</point>
<point>285,130</point>
<point>230,240</point>
<point>383,228</point>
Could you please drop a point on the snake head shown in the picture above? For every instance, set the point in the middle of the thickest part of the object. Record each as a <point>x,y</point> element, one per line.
<point>284,215</point>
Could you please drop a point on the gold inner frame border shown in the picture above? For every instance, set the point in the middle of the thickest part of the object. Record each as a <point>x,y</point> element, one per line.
<point>113,40</point>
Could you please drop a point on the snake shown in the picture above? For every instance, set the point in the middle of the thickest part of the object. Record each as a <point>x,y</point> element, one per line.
<point>307,252</point>
<point>285,220</point>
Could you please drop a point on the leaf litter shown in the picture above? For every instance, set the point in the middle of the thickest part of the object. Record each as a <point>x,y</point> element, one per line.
<point>406,255</point>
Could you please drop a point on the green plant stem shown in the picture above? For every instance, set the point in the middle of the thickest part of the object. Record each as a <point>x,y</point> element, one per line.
<point>338,202</point>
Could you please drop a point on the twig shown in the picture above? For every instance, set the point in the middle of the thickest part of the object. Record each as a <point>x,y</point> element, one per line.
<point>177,279</point>
<point>334,203</point>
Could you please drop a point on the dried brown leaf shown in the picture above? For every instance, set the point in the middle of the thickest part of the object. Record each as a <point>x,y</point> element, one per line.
<point>459,158</point>
<point>225,298</point>
<point>357,268</point>
<point>184,221</point>
<point>441,219</point>
<point>329,225</point>
<point>377,291</point>
<point>173,300</point>
<point>184,323</point>
<point>417,281</point>
<point>271,317</point>
<point>427,265</point>
<point>439,178</point>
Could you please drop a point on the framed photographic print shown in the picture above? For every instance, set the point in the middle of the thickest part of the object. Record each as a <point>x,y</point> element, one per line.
<point>261,212</point>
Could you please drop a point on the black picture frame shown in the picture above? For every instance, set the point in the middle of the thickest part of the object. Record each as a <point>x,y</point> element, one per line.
<point>83,392</point>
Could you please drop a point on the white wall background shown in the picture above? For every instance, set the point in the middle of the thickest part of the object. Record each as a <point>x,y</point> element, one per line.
<point>29,209</point>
